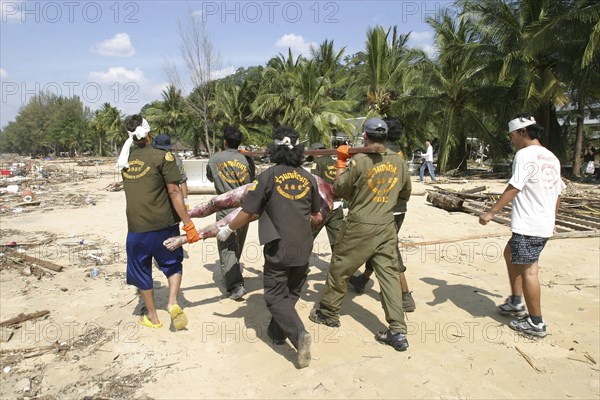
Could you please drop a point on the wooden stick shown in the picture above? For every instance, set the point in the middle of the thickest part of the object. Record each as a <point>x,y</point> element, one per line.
<point>488,236</point>
<point>528,359</point>
<point>24,317</point>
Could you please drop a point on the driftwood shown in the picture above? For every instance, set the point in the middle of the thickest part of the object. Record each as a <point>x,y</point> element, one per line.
<point>24,317</point>
<point>42,263</point>
<point>446,202</point>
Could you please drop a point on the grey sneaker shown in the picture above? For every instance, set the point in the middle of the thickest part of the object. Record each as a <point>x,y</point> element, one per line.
<point>396,340</point>
<point>408,303</point>
<point>508,308</point>
<point>526,326</point>
<point>238,293</point>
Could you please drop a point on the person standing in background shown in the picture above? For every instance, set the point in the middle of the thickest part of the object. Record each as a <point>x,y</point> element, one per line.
<point>427,163</point>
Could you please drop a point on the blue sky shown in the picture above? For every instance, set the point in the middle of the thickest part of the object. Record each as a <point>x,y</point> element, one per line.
<point>116,51</point>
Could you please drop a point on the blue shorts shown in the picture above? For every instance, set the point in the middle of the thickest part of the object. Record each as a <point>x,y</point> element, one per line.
<point>142,247</point>
<point>526,249</point>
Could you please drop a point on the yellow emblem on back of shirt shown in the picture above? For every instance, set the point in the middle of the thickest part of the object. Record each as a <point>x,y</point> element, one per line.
<point>169,156</point>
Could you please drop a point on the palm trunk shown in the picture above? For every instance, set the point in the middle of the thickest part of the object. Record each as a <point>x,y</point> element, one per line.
<point>578,138</point>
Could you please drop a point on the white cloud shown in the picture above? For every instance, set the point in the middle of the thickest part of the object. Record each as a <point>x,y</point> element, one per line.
<point>9,11</point>
<point>3,73</point>
<point>117,74</point>
<point>117,46</point>
<point>296,43</point>
<point>222,73</point>
<point>420,37</point>
<point>423,41</point>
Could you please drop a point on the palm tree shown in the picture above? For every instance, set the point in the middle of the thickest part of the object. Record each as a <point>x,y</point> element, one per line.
<point>532,74</point>
<point>379,69</point>
<point>294,92</point>
<point>170,114</point>
<point>315,114</point>
<point>575,34</point>
<point>108,123</point>
<point>452,91</point>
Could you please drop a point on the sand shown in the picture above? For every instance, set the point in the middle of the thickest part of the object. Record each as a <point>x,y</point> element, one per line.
<point>91,346</point>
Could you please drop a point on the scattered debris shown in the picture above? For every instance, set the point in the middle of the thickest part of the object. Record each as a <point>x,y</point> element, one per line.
<point>577,216</point>
<point>24,317</point>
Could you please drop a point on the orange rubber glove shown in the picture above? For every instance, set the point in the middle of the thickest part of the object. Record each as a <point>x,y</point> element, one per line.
<point>191,233</point>
<point>343,153</point>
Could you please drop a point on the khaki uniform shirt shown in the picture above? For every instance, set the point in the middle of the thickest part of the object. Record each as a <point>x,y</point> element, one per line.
<point>374,184</point>
<point>149,207</point>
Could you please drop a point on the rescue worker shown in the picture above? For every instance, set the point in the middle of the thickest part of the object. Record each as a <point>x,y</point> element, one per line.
<point>285,196</point>
<point>373,184</point>
<point>324,167</point>
<point>229,169</point>
<point>359,282</point>
<point>154,209</point>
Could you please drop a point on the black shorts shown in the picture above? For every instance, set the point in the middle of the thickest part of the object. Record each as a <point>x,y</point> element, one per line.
<point>526,249</point>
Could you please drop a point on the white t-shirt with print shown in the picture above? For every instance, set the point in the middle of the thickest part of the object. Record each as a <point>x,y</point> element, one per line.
<point>536,173</point>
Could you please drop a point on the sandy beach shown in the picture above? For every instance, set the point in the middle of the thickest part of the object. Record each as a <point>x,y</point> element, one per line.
<point>89,345</point>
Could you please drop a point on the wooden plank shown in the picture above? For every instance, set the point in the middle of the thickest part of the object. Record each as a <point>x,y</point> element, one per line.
<point>576,234</point>
<point>583,220</point>
<point>500,220</point>
<point>474,190</point>
<point>561,222</point>
<point>42,263</point>
<point>24,317</point>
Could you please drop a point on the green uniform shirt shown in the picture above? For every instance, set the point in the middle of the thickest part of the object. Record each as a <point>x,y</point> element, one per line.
<point>374,184</point>
<point>149,207</point>
<point>324,167</point>
<point>229,169</point>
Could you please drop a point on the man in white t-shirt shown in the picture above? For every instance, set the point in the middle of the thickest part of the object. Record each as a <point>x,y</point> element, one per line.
<point>427,163</point>
<point>534,189</point>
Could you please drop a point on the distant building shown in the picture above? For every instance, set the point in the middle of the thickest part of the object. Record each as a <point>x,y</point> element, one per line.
<point>567,114</point>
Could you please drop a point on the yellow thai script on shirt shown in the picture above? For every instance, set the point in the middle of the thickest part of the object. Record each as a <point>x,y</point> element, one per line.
<point>381,180</point>
<point>136,170</point>
<point>298,183</point>
<point>232,171</point>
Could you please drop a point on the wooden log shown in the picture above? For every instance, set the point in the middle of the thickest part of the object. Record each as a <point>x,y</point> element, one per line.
<point>445,202</point>
<point>323,152</point>
<point>42,263</point>
<point>24,317</point>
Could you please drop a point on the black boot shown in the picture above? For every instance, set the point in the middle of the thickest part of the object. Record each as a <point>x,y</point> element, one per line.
<point>358,283</point>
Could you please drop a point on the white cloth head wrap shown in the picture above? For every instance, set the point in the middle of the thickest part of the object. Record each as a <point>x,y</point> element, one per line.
<point>286,142</point>
<point>520,123</point>
<point>140,133</point>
